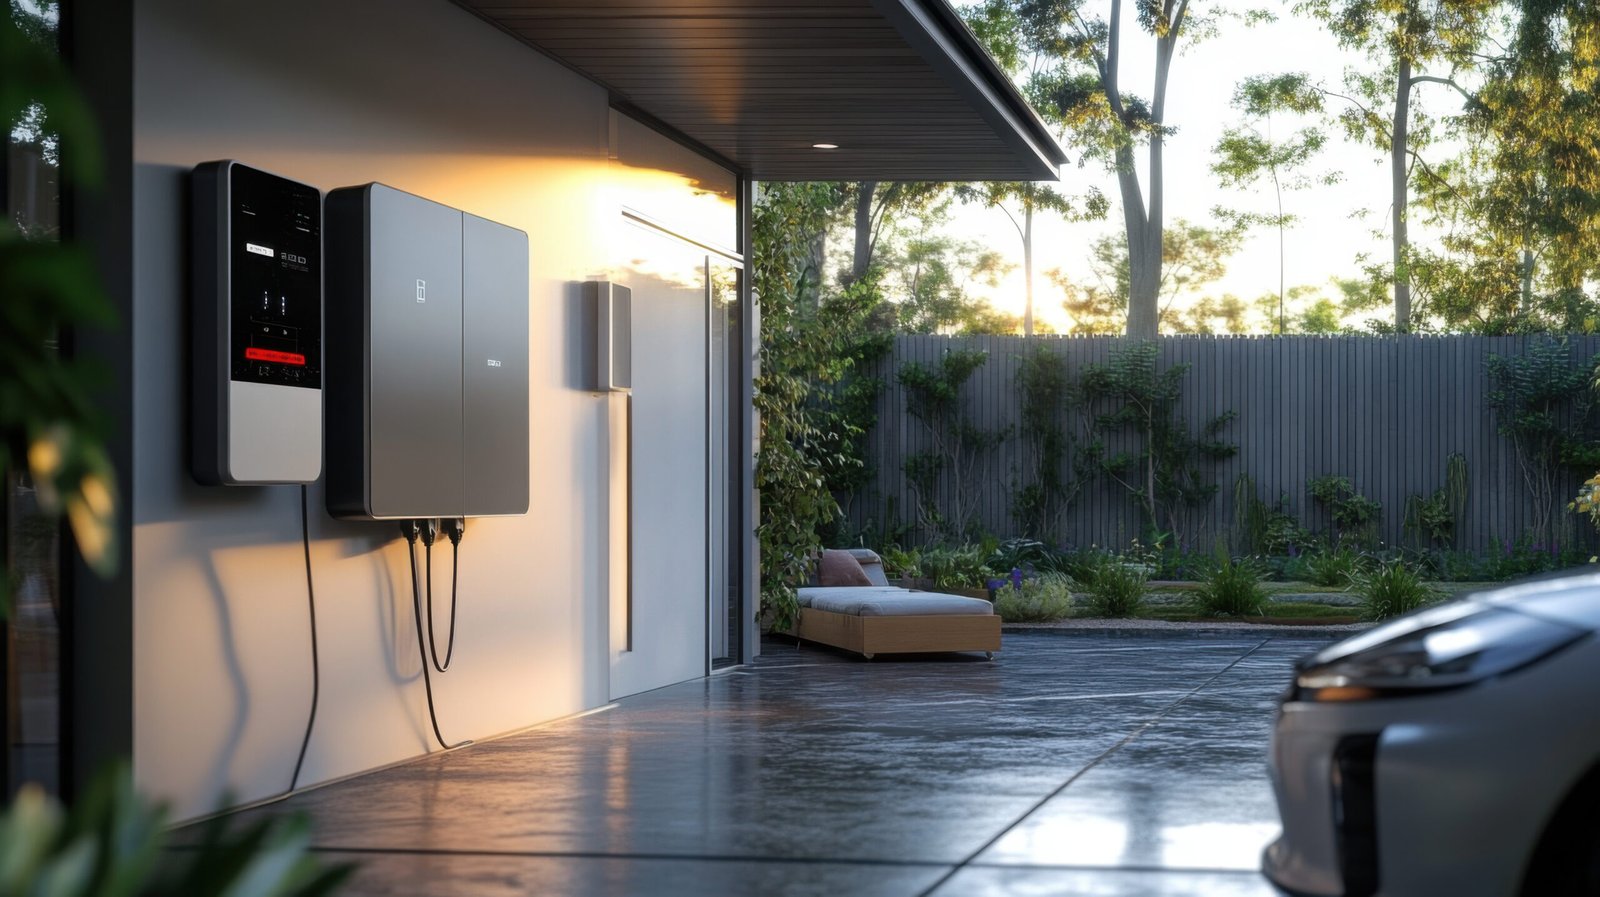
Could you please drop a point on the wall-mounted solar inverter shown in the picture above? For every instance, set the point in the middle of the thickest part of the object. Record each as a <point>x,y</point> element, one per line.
<point>256,327</point>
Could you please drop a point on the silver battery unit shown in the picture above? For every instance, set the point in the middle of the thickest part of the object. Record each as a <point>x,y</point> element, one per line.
<point>494,363</point>
<point>427,411</point>
<point>256,327</point>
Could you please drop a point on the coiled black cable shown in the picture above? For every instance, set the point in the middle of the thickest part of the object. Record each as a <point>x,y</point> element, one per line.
<point>430,530</point>
<point>316,671</point>
<point>456,528</point>
<point>410,529</point>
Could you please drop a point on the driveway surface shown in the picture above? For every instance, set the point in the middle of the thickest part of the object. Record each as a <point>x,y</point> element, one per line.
<point>1075,763</point>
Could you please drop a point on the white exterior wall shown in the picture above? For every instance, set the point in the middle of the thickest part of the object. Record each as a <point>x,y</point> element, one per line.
<point>422,96</point>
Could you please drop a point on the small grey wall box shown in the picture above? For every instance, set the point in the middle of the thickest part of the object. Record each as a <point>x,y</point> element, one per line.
<point>256,382</point>
<point>613,315</point>
<point>427,359</point>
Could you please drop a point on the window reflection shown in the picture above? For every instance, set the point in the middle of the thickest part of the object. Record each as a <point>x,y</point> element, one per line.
<point>32,541</point>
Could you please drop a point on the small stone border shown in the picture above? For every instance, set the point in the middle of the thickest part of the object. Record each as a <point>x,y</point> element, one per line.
<point>1096,626</point>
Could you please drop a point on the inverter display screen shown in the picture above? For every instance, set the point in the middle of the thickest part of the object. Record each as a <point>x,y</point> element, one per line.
<point>276,255</point>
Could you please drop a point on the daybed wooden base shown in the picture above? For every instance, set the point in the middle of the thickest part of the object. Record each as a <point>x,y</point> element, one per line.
<point>869,636</point>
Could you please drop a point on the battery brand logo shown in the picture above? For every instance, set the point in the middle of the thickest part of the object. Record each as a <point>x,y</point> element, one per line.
<point>422,291</point>
<point>255,354</point>
<point>260,250</point>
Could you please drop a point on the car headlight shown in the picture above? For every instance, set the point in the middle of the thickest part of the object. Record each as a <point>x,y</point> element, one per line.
<point>1439,648</point>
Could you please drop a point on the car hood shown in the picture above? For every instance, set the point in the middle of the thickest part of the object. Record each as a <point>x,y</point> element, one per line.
<point>1571,598</point>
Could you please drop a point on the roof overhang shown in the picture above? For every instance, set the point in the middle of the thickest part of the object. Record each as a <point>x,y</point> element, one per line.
<point>900,86</point>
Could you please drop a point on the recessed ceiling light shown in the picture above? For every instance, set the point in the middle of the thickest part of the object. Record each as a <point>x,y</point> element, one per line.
<point>824,146</point>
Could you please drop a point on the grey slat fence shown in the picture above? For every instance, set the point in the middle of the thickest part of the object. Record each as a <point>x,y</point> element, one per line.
<point>1384,411</point>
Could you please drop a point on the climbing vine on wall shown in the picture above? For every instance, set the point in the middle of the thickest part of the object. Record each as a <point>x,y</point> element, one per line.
<point>1052,473</point>
<point>1167,471</point>
<point>805,352</point>
<point>1543,403</point>
<point>950,476</point>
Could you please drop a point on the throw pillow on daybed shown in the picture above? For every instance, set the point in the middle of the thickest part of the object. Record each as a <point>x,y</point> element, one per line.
<point>839,568</point>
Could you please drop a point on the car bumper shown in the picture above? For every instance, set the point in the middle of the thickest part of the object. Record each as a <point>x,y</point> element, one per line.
<point>1458,788</point>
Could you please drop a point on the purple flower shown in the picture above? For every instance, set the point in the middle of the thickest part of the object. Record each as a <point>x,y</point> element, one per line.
<point>995,584</point>
<point>1016,578</point>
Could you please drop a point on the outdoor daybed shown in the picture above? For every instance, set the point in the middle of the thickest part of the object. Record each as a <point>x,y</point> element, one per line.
<point>873,617</point>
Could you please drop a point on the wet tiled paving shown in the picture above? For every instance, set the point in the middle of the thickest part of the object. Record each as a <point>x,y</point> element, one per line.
<point>1073,764</point>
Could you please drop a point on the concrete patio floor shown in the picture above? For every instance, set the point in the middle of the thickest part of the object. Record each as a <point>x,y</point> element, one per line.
<point>1074,764</point>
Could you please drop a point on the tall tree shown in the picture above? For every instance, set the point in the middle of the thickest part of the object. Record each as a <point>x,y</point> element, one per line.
<point>1250,152</point>
<point>873,206</point>
<point>1194,256</point>
<point>926,275</point>
<point>1080,86</point>
<point>1410,42</point>
<point>1021,201</point>
<point>1522,202</point>
<point>999,26</point>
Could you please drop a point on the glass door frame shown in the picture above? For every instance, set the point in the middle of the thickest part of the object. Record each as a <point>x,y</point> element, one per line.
<point>737,467</point>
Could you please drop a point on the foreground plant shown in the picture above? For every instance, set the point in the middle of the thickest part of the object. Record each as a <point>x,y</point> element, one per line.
<point>114,844</point>
<point>50,428</point>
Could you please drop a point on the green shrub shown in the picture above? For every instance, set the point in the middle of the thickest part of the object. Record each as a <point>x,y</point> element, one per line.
<point>1391,590</point>
<point>1043,599</point>
<point>1231,588</point>
<point>958,566</point>
<point>898,562</point>
<point>1262,528</point>
<point>1021,554</point>
<point>1291,568</point>
<point>1334,567</point>
<point>1355,516</point>
<point>1081,564</point>
<point>1115,589</point>
<point>1449,565</point>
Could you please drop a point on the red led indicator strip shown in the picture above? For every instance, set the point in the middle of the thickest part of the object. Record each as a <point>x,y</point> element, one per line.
<point>255,354</point>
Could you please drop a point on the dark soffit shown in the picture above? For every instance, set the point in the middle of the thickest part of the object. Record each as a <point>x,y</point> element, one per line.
<point>901,86</point>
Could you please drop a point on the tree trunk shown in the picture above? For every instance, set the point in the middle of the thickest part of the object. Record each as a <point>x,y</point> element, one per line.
<point>811,278</point>
<point>1398,158</point>
<point>1027,262</point>
<point>1144,253</point>
<point>1144,266</point>
<point>1144,283</point>
<point>1525,305</point>
<point>862,259</point>
<point>1277,189</point>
